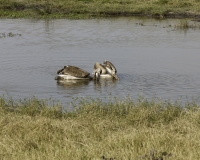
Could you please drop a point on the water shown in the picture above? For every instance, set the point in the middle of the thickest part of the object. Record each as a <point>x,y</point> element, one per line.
<point>152,60</point>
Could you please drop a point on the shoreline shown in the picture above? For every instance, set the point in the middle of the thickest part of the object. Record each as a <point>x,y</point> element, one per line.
<point>86,9</point>
<point>10,15</point>
<point>196,17</point>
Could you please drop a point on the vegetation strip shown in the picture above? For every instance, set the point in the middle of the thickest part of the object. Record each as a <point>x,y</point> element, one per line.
<point>118,129</point>
<point>98,8</point>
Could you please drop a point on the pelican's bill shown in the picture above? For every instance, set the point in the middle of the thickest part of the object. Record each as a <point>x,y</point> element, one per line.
<point>116,76</point>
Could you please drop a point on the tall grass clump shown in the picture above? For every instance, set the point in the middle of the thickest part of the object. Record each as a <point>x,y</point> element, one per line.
<point>184,24</point>
<point>94,129</point>
<point>31,106</point>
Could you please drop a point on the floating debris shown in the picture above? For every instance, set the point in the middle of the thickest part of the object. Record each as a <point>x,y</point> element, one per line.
<point>141,24</point>
<point>2,35</point>
<point>10,34</point>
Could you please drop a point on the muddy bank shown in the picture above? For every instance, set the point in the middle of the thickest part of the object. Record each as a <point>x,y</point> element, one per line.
<point>25,14</point>
<point>166,15</point>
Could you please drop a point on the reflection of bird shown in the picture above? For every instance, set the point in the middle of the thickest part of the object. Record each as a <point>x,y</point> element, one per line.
<point>72,83</point>
<point>105,82</point>
<point>72,72</point>
<point>110,68</point>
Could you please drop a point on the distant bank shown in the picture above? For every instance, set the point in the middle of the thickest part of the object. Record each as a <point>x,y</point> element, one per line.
<point>81,9</point>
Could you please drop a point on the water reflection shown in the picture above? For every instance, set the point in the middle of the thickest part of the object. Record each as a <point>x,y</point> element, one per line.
<point>72,84</point>
<point>105,82</point>
<point>49,26</point>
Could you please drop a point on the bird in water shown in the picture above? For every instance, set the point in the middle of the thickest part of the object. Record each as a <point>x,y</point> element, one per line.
<point>110,68</point>
<point>72,72</point>
<point>105,70</point>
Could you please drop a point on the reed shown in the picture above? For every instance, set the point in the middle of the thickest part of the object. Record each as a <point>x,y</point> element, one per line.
<point>117,129</point>
<point>184,24</point>
<point>91,8</point>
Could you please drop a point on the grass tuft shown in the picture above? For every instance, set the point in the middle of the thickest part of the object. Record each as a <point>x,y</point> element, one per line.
<point>184,24</point>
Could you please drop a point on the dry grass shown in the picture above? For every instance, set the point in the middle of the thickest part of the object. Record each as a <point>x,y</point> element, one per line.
<point>95,130</point>
<point>91,8</point>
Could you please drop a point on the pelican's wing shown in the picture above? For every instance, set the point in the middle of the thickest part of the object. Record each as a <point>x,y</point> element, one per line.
<point>75,71</point>
<point>98,65</point>
<point>109,64</point>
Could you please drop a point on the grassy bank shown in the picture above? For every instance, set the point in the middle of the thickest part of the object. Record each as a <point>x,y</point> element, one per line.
<point>96,8</point>
<point>121,130</point>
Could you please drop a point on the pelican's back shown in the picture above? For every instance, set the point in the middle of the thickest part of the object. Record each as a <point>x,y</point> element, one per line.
<point>98,65</point>
<point>74,71</point>
<point>110,65</point>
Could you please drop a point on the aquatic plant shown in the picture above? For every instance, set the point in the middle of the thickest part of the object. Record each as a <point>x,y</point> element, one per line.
<point>184,24</point>
<point>2,35</point>
<point>10,34</point>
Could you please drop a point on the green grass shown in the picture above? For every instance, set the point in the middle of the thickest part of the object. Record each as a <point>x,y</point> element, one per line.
<point>96,8</point>
<point>121,129</point>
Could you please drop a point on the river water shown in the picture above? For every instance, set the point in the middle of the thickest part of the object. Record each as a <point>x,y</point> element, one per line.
<point>152,59</point>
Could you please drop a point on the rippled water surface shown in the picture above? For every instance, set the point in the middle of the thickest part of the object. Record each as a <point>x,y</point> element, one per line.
<point>152,60</point>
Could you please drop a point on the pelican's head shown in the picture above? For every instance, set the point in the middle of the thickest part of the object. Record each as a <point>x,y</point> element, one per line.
<point>61,70</point>
<point>96,73</point>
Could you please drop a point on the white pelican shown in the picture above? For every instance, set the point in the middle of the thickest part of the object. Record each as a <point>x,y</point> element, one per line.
<point>72,72</point>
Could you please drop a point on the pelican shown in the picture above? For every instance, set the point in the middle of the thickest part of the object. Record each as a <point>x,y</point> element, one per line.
<point>72,72</point>
<point>100,71</point>
<point>110,68</point>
